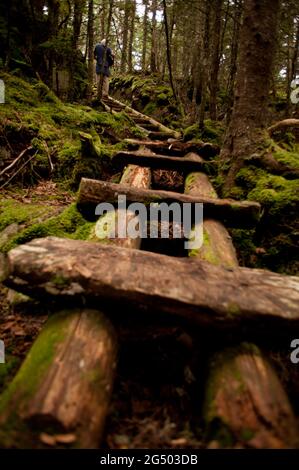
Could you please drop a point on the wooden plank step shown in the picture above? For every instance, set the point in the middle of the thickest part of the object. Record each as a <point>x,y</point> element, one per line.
<point>199,292</point>
<point>153,135</point>
<point>191,162</point>
<point>159,125</point>
<point>176,147</point>
<point>93,192</point>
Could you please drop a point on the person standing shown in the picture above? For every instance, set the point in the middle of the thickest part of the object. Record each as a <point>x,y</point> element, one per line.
<point>105,59</point>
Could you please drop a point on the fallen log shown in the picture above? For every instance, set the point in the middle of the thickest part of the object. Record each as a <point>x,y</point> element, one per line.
<point>245,404</point>
<point>217,247</point>
<point>282,125</point>
<point>166,130</point>
<point>191,162</point>
<point>62,392</point>
<point>177,147</point>
<point>244,399</point>
<point>199,292</point>
<point>104,229</point>
<point>235,213</point>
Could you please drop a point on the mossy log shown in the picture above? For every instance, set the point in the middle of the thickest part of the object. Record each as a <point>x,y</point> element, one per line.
<point>114,103</point>
<point>196,291</point>
<point>234,213</point>
<point>186,164</point>
<point>245,403</point>
<point>61,394</point>
<point>245,400</point>
<point>217,244</point>
<point>177,147</point>
<point>133,176</point>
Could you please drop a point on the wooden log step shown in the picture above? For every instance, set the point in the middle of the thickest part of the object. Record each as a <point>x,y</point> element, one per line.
<point>196,291</point>
<point>133,176</point>
<point>244,399</point>
<point>61,394</point>
<point>218,247</point>
<point>160,135</point>
<point>191,162</point>
<point>176,147</point>
<point>234,213</point>
<point>246,405</point>
<point>159,125</point>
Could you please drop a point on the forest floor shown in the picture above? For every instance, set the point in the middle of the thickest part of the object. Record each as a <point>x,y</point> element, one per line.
<point>156,401</point>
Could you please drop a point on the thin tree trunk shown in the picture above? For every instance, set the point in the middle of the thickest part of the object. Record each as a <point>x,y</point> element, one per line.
<point>217,4</point>
<point>168,50</point>
<point>205,64</point>
<point>101,81</point>
<point>131,35</point>
<point>124,57</point>
<point>154,38</point>
<point>90,41</point>
<point>145,35</point>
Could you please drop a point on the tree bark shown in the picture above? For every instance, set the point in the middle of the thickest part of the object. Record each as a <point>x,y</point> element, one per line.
<point>215,60</point>
<point>90,40</point>
<point>154,37</point>
<point>124,54</point>
<point>257,47</point>
<point>145,35</point>
<point>63,388</point>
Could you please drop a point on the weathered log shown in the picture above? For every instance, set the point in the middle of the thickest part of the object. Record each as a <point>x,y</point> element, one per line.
<point>235,213</point>
<point>195,290</point>
<point>217,247</point>
<point>133,112</point>
<point>191,162</point>
<point>177,147</point>
<point>64,386</point>
<point>104,229</point>
<point>244,399</point>
<point>283,124</point>
<point>245,403</point>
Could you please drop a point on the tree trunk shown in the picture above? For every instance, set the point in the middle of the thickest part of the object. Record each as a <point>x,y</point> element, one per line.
<point>215,60</point>
<point>131,35</point>
<point>257,47</point>
<point>124,54</point>
<point>90,40</point>
<point>145,34</point>
<point>154,37</point>
<point>205,65</point>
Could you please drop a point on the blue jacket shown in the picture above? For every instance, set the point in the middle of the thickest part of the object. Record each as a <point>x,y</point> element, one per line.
<point>99,53</point>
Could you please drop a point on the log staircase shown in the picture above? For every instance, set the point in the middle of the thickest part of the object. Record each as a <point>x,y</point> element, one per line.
<point>61,394</point>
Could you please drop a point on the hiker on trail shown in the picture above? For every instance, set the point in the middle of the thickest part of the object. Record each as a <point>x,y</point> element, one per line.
<point>105,60</point>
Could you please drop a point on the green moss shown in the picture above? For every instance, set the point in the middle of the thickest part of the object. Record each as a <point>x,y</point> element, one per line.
<point>30,375</point>
<point>232,309</point>
<point>12,211</point>
<point>212,132</point>
<point>69,224</point>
